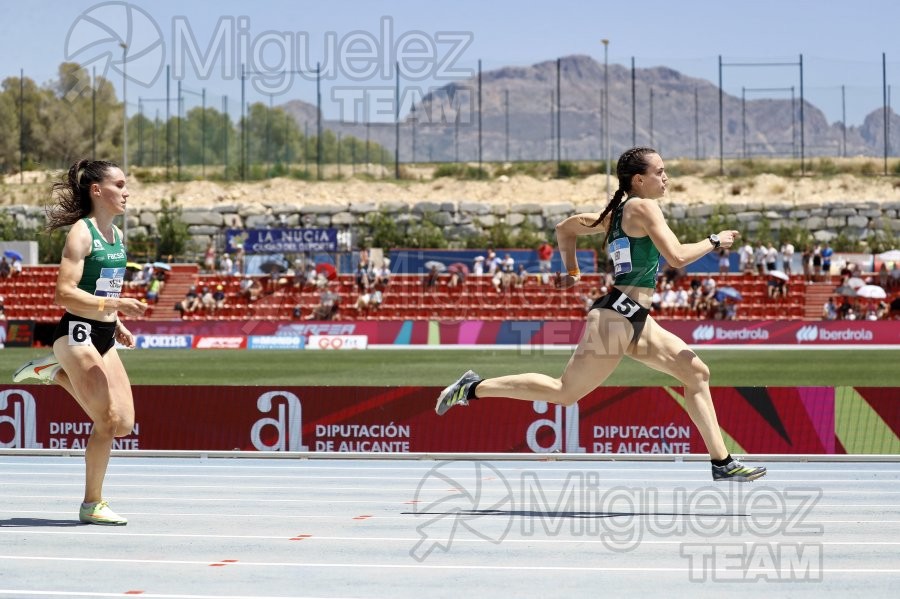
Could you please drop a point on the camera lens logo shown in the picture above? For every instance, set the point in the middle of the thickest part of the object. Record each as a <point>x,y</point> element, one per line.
<point>117,36</point>
<point>472,495</point>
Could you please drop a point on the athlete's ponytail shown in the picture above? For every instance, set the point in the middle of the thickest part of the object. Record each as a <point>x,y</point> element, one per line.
<point>72,192</point>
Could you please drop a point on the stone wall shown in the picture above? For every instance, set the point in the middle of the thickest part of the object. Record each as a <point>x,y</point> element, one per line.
<point>465,218</point>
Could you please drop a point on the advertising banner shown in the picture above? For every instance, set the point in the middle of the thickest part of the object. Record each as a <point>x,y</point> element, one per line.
<point>282,241</point>
<point>542,332</point>
<point>611,420</point>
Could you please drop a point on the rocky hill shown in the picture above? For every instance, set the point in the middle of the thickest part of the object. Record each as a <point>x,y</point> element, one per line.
<point>677,114</point>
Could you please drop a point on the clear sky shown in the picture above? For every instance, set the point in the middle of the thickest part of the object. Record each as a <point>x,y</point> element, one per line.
<point>841,42</point>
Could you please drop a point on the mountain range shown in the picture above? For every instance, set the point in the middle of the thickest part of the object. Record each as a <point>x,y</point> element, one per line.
<point>676,114</point>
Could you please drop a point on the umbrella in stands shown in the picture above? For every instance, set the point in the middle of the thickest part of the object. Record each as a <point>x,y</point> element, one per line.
<point>855,282</point>
<point>889,256</point>
<point>13,254</point>
<point>729,293</point>
<point>458,267</point>
<point>779,275</point>
<point>272,267</point>
<point>440,266</point>
<point>133,266</point>
<point>871,292</point>
<point>846,291</point>
<point>162,265</point>
<point>327,270</point>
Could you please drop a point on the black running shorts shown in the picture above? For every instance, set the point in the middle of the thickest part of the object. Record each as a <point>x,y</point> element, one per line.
<point>620,303</point>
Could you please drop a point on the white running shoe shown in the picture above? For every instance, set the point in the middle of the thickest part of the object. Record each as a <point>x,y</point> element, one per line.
<point>43,369</point>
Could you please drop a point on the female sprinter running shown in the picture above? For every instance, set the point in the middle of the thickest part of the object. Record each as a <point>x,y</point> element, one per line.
<point>84,359</point>
<point>619,323</point>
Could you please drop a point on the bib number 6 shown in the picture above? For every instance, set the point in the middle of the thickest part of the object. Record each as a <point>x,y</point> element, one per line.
<point>79,333</point>
<point>626,306</point>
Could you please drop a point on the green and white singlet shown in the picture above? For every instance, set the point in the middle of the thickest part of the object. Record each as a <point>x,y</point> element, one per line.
<point>635,259</point>
<point>104,267</point>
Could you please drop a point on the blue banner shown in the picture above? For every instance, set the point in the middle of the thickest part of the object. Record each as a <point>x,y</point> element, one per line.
<point>277,241</point>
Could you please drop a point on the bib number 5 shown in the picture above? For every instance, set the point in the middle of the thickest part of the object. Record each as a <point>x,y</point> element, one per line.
<point>626,306</point>
<point>79,333</point>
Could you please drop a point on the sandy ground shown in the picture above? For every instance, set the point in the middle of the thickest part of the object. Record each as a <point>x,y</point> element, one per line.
<point>762,189</point>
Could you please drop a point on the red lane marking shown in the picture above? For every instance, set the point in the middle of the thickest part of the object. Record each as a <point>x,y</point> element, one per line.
<point>300,537</point>
<point>224,562</point>
<point>414,501</point>
<point>361,517</point>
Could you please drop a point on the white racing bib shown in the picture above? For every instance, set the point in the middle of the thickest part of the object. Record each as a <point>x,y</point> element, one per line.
<point>620,252</point>
<point>79,333</point>
<point>109,284</point>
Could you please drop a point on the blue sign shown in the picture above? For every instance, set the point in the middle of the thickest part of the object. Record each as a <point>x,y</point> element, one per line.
<point>164,341</point>
<point>278,241</point>
<point>275,342</point>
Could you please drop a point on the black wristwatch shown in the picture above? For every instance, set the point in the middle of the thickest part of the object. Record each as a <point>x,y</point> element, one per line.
<point>714,239</point>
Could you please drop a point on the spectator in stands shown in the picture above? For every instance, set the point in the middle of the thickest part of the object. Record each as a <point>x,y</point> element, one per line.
<point>726,309</point>
<point>478,266</point>
<point>329,304</point>
<point>209,257</point>
<point>746,258</point>
<point>895,275</point>
<point>4,268</point>
<point>251,289</point>
<point>884,277</point>
<point>154,288</point>
<point>827,253</point>
<point>239,260</point>
<point>759,258</point>
<point>431,279</point>
<point>829,310</point>
<point>2,307</point>
<point>363,278</point>
<point>226,265</point>
<point>708,302</point>
<point>776,288</point>
<point>382,274</point>
<point>370,301</point>
<point>521,276</point>
<point>207,301</point>
<point>219,297</point>
<point>667,300</point>
<point>771,257</point>
<point>787,257</point>
<point>493,261</point>
<point>16,268</point>
<point>545,261</point>
<point>682,300</point>
<point>806,264</point>
<point>671,275</point>
<point>845,310</point>
<point>190,303</point>
<point>817,263</point>
<point>894,308</point>
<point>724,261</point>
<point>457,278</point>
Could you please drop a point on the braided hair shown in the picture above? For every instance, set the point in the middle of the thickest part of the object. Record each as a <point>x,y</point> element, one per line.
<point>632,162</point>
<point>73,192</point>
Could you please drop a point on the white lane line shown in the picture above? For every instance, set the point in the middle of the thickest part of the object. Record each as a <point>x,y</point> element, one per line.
<point>796,468</point>
<point>381,566</point>
<point>66,594</point>
<point>313,538</point>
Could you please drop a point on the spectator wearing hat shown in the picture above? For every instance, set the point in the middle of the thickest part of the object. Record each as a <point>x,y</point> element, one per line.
<point>478,266</point>
<point>219,298</point>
